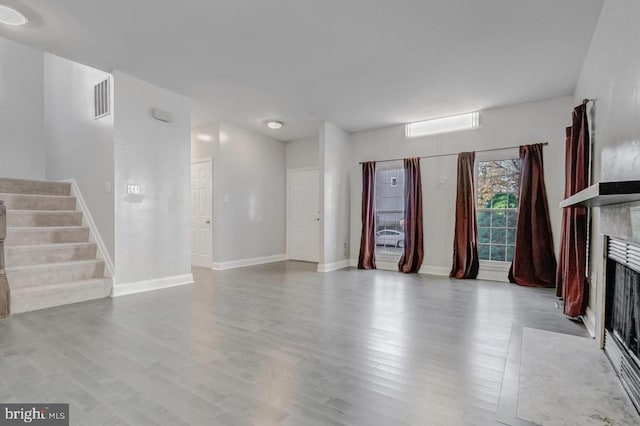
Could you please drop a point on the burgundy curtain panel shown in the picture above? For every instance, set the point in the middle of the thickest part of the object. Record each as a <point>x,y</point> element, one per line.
<point>411,259</point>
<point>571,279</point>
<point>534,262</point>
<point>367,259</point>
<point>465,241</point>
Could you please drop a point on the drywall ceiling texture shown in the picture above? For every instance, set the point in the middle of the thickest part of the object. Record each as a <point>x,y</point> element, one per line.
<point>152,240</point>
<point>359,64</point>
<point>501,127</point>
<point>77,145</point>
<point>21,111</point>
<point>610,76</point>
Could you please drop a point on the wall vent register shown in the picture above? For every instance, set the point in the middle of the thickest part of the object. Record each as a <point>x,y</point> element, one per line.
<point>101,99</point>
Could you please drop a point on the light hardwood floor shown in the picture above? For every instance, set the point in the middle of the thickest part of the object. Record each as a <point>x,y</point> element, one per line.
<point>279,344</point>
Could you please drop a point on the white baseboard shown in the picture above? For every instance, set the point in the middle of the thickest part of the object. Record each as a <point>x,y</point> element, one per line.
<point>222,266</point>
<point>442,271</point>
<point>87,219</point>
<point>589,320</point>
<point>123,289</point>
<point>328,267</point>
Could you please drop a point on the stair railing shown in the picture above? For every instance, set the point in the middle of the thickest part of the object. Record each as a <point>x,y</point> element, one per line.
<point>4,284</point>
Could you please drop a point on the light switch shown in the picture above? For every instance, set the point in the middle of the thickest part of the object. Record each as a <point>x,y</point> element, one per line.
<point>226,198</point>
<point>107,187</point>
<point>134,189</point>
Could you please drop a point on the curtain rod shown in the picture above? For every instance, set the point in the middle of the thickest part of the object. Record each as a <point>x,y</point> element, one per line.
<point>451,153</point>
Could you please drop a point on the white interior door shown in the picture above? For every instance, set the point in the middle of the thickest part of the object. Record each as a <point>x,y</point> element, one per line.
<point>303,218</point>
<point>201,201</point>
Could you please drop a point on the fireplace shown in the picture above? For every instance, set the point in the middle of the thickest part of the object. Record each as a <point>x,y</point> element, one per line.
<point>622,314</point>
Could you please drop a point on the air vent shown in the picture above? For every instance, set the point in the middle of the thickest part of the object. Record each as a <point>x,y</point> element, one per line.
<point>101,99</point>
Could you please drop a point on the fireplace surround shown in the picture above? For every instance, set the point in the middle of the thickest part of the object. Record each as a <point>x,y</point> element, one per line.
<point>622,314</point>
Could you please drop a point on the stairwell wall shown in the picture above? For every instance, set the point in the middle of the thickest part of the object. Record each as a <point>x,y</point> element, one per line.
<point>77,145</point>
<point>21,111</point>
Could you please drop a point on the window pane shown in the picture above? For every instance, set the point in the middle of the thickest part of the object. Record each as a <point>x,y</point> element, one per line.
<point>389,211</point>
<point>498,253</point>
<point>484,251</point>
<point>484,218</point>
<point>498,236</point>
<point>484,235</point>
<point>499,219</point>
<point>498,186</point>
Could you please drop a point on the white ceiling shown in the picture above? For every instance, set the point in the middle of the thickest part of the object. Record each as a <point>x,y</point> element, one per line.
<point>360,64</point>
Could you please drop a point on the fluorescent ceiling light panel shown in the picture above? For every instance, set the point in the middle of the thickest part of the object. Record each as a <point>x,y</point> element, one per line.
<point>443,125</point>
<point>11,16</point>
<point>205,137</point>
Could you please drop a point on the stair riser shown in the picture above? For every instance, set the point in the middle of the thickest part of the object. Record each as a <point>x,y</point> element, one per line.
<point>20,256</point>
<point>55,274</point>
<point>21,186</point>
<point>34,202</point>
<point>25,300</point>
<point>36,218</point>
<point>22,237</point>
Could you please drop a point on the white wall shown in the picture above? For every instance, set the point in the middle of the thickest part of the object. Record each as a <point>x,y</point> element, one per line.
<point>21,111</point>
<point>335,155</point>
<point>249,195</point>
<point>203,150</point>
<point>151,231</point>
<point>501,127</point>
<point>610,75</point>
<point>303,153</point>
<point>77,145</point>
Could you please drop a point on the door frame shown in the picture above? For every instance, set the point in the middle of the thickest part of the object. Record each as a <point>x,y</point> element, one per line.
<point>210,200</point>
<point>288,196</point>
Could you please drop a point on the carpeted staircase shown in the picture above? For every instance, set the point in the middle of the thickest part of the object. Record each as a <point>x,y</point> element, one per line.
<point>49,258</point>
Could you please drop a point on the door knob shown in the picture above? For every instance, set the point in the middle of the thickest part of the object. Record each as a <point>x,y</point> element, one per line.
<point>208,221</point>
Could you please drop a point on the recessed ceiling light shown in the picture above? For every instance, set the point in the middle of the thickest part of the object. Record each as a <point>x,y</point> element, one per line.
<point>11,16</point>
<point>273,124</point>
<point>204,137</point>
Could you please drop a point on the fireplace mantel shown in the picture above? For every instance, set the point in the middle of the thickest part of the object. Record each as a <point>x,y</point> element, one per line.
<point>605,194</point>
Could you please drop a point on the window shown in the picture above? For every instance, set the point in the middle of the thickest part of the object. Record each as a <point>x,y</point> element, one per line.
<point>390,211</point>
<point>498,187</point>
<point>443,125</point>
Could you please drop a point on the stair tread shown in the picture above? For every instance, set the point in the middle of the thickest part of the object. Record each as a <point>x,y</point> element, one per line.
<point>34,186</point>
<point>43,211</point>
<point>51,245</point>
<point>18,228</point>
<point>58,286</point>
<point>54,264</point>
<point>12,194</point>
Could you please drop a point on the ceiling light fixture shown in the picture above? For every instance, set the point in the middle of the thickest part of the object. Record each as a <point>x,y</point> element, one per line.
<point>11,16</point>
<point>273,124</point>
<point>204,137</point>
